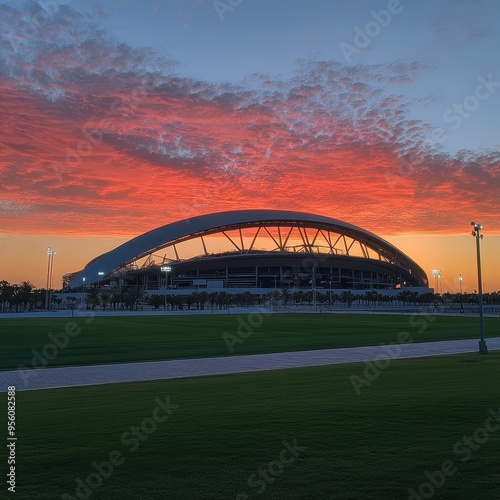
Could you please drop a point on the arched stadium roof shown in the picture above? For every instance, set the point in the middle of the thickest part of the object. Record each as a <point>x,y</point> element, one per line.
<point>203,225</point>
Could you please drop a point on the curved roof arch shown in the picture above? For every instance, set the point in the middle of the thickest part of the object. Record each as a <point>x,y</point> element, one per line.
<point>203,225</point>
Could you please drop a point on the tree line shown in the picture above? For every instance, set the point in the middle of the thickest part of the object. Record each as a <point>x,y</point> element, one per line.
<point>26,297</point>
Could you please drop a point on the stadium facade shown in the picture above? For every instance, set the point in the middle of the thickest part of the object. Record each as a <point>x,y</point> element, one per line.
<point>266,249</point>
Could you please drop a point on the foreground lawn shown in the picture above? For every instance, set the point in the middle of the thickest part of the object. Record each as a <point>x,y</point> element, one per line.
<point>139,338</point>
<point>373,446</point>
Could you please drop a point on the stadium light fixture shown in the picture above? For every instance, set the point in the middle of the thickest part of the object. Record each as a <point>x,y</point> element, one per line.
<point>437,274</point>
<point>99,274</point>
<point>483,348</point>
<point>50,254</point>
<point>166,270</point>
<point>460,279</point>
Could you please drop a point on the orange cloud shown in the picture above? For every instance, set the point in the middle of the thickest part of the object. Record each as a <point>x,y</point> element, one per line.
<point>98,138</point>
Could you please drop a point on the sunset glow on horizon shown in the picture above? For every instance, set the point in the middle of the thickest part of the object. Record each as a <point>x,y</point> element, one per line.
<point>107,132</point>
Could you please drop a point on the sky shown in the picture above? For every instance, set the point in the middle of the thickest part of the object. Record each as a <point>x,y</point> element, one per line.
<point>117,117</point>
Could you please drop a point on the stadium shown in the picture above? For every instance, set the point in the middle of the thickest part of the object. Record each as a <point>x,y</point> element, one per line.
<point>253,250</point>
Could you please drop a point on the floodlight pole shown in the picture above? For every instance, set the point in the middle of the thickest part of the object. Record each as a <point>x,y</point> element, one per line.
<point>314,287</point>
<point>437,274</point>
<point>460,279</point>
<point>51,267</point>
<point>51,260</point>
<point>483,348</point>
<point>49,253</point>
<point>166,270</point>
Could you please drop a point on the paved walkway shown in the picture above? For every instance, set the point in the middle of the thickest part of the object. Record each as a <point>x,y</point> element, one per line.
<point>50,378</point>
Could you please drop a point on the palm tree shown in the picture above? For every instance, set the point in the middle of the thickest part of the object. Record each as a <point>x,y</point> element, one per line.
<point>273,297</point>
<point>93,298</point>
<point>105,298</point>
<point>196,299</point>
<point>308,297</point>
<point>348,297</point>
<point>56,300</point>
<point>248,299</point>
<point>39,297</point>
<point>156,301</point>
<point>117,299</point>
<point>211,299</point>
<point>133,297</point>
<point>141,297</point>
<point>24,293</point>
<point>71,303</point>
<point>298,297</point>
<point>334,297</point>
<point>372,297</point>
<point>178,301</point>
<point>285,296</point>
<point>203,298</point>
<point>322,297</point>
<point>404,297</point>
<point>190,300</point>
<point>6,294</point>
<point>223,300</point>
<point>172,301</point>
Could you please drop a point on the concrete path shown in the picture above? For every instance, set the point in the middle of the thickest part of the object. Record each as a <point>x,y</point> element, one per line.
<point>50,378</point>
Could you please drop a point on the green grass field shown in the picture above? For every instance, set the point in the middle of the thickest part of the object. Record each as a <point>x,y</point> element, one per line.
<point>372,446</point>
<point>125,339</point>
